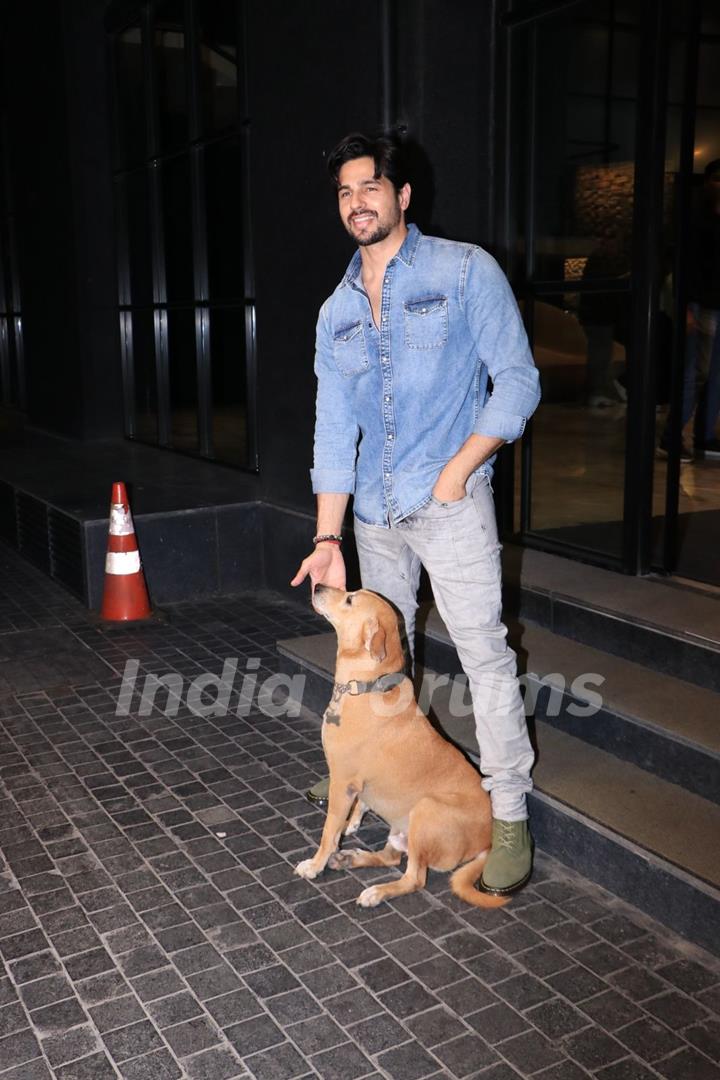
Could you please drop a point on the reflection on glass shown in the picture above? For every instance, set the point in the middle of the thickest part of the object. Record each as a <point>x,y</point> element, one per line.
<point>138,238</point>
<point>229,388</point>
<point>223,187</point>
<point>142,344</point>
<point>217,34</point>
<point>585,90</point>
<point>579,445</point>
<point>169,42</point>
<point>182,373</point>
<point>177,227</point>
<point>130,96</point>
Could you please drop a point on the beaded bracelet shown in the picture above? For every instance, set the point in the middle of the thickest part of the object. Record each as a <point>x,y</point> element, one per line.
<point>333,538</point>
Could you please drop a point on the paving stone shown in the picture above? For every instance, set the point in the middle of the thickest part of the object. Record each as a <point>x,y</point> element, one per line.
<point>358,951</point>
<point>117,1013</point>
<point>435,1026</point>
<point>12,1019</point>
<point>497,1022</point>
<point>77,1043</point>
<point>132,1041</point>
<point>611,1010</point>
<point>380,1032</point>
<point>19,1047</point>
<point>321,1032</point>
<point>382,974</point>
<point>688,1065</point>
<point>344,1062</point>
<point>92,1067</point>
<point>648,1039</point>
<point>408,1062</point>
<point>576,983</point>
<point>530,1052</point>
<point>438,971</point>
<point>58,1017</point>
<point>157,984</point>
<point>102,988</point>
<point>213,982</point>
<point>351,1006</point>
<point>326,981</point>
<point>255,1034</point>
<point>292,1006</point>
<point>564,1070</point>
<point>706,1037</point>
<point>191,1036</point>
<point>467,1054</point>
<point>270,981</point>
<point>31,1070</point>
<point>218,1063</point>
<point>675,1009</point>
<point>593,1047</point>
<point>407,999</point>
<point>467,996</point>
<point>689,976</point>
<point>492,967</point>
<point>174,1009</point>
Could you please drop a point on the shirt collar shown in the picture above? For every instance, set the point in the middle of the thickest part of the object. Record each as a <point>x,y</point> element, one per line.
<point>406,254</point>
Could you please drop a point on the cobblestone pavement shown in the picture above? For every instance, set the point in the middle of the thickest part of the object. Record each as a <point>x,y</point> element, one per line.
<point>151,926</point>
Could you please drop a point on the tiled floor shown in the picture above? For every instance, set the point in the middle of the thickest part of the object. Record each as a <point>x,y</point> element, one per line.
<point>151,926</point>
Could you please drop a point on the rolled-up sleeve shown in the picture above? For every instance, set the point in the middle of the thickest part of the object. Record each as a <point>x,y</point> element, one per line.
<point>336,428</point>
<point>497,328</point>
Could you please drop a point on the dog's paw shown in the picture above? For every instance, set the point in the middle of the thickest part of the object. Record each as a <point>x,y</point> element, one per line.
<point>307,869</point>
<point>370,897</point>
<point>341,860</point>
<point>352,827</point>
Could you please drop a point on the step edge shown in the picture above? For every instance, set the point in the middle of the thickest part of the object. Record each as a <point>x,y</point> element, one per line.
<point>647,854</point>
<point>284,647</point>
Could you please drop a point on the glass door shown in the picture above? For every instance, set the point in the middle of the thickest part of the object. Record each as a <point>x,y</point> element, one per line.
<point>686,489</point>
<point>574,115</point>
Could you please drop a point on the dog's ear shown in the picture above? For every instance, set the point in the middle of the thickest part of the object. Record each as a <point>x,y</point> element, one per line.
<point>374,639</point>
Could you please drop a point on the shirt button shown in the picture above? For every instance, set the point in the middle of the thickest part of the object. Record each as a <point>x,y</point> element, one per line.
<point>387,398</point>
<point>390,435</point>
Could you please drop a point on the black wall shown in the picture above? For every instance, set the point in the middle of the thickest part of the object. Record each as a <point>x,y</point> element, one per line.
<point>55,95</point>
<point>315,73</point>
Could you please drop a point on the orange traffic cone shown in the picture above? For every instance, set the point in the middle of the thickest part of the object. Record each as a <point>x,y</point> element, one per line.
<point>125,597</point>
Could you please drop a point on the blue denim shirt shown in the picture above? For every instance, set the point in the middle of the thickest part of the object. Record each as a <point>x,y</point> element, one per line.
<point>395,403</point>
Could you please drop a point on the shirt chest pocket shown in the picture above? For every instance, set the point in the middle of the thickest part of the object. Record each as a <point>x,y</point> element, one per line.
<point>349,349</point>
<point>426,322</point>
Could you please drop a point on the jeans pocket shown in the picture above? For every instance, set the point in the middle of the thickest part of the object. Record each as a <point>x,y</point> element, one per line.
<point>349,349</point>
<point>469,489</point>
<point>426,323</point>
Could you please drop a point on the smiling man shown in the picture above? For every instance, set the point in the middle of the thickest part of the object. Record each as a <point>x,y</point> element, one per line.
<point>407,425</point>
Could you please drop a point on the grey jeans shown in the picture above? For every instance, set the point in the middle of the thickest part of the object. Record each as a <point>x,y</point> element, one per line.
<point>457,543</point>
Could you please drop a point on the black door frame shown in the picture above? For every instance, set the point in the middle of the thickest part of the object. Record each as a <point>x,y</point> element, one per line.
<point>653,60</point>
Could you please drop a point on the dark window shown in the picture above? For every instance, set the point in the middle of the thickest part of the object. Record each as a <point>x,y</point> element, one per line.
<point>186,307</point>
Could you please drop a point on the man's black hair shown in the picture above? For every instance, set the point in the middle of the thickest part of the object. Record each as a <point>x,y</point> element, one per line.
<point>386,150</point>
<point>712,169</point>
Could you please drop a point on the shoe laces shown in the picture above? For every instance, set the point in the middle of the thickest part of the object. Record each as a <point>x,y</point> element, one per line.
<point>507,834</point>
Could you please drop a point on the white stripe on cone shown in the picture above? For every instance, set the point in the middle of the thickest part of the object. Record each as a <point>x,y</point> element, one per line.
<point>121,522</point>
<point>122,562</point>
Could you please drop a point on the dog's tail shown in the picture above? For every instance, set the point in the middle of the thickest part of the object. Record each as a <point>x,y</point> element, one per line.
<point>462,883</point>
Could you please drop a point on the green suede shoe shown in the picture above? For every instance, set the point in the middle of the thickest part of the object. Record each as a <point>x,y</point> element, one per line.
<point>319,793</point>
<point>509,863</point>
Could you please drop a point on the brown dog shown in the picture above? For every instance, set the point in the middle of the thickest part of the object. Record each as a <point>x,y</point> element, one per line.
<point>384,755</point>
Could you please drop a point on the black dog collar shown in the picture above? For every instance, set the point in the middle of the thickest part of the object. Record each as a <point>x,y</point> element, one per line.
<point>380,685</point>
